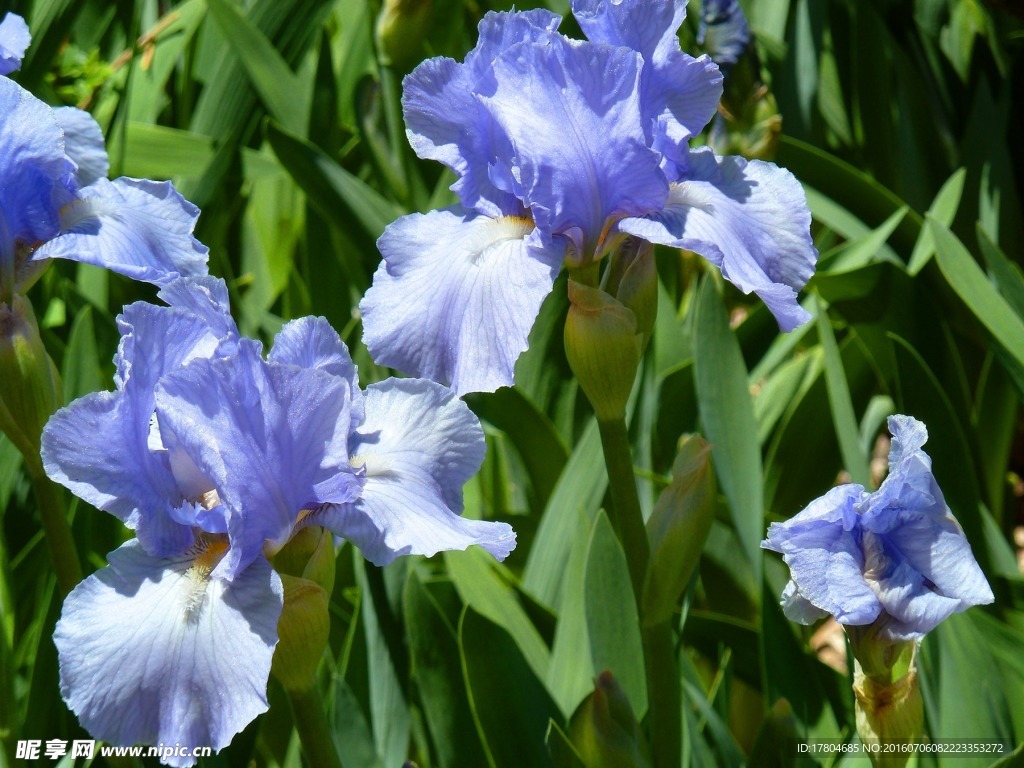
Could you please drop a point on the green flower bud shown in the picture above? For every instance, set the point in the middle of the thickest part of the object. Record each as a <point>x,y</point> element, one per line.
<point>678,528</point>
<point>604,730</point>
<point>603,344</point>
<point>633,279</point>
<point>308,554</point>
<point>302,633</point>
<point>29,383</point>
<point>401,27</point>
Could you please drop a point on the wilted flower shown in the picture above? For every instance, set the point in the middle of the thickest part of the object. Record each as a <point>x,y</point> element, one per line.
<point>216,456</point>
<point>896,558</point>
<point>563,149</point>
<point>55,200</point>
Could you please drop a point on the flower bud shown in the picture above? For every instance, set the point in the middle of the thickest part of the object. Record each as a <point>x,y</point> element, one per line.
<point>632,278</point>
<point>604,730</point>
<point>678,528</point>
<point>302,633</point>
<point>29,383</point>
<point>309,554</point>
<point>401,27</point>
<point>603,345</point>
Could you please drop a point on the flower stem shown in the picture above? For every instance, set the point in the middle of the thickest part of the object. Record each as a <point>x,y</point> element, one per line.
<point>625,515</point>
<point>663,695</point>
<point>311,723</point>
<point>58,531</point>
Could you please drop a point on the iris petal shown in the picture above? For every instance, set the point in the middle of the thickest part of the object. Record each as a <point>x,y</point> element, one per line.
<point>271,438</point>
<point>142,229</point>
<point>14,41</point>
<point>418,446</point>
<point>84,145</point>
<point>155,651</point>
<point>572,112</point>
<point>750,219</point>
<point>456,296</point>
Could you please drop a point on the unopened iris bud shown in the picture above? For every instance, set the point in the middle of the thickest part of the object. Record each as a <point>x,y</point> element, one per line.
<point>632,278</point>
<point>604,730</point>
<point>678,528</point>
<point>302,633</point>
<point>603,343</point>
<point>401,27</point>
<point>29,383</point>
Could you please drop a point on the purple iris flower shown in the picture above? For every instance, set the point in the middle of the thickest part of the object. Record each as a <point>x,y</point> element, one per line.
<point>563,149</point>
<point>216,456</point>
<point>56,202</point>
<point>896,556</point>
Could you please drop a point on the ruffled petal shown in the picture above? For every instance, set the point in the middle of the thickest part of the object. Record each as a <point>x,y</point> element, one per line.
<point>446,122</point>
<point>923,572</point>
<point>418,446</point>
<point>572,111</point>
<point>156,652</point>
<point>271,438</point>
<point>797,607</point>
<point>206,297</point>
<point>100,446</point>
<point>311,342</point>
<point>821,547</point>
<point>748,218</point>
<point>83,143</point>
<point>31,152</point>
<point>678,93</point>
<point>142,229</point>
<point>456,296</point>
<point>14,41</point>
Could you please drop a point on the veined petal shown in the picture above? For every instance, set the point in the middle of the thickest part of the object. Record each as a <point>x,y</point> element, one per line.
<point>418,446</point>
<point>798,608</point>
<point>14,40</point>
<point>99,446</point>
<point>456,296</point>
<point>678,93</point>
<point>821,546</point>
<point>311,342</point>
<point>32,154</point>
<point>446,122</point>
<point>157,652</point>
<point>572,111</point>
<point>206,297</point>
<point>272,439</point>
<point>83,143</point>
<point>142,229</point>
<point>748,218</point>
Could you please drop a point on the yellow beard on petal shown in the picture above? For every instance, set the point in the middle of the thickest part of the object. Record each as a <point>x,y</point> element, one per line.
<point>206,553</point>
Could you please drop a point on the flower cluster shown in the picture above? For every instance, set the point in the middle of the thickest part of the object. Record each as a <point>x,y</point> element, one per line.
<point>216,456</point>
<point>564,149</point>
<point>895,558</point>
<point>56,202</point>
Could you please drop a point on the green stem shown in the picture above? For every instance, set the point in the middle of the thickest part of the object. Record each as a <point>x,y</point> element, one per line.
<point>664,704</point>
<point>58,531</point>
<point>664,697</point>
<point>311,723</point>
<point>626,517</point>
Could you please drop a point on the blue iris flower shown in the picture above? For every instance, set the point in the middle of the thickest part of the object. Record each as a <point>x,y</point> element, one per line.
<point>56,202</point>
<point>216,456</point>
<point>896,556</point>
<point>563,149</point>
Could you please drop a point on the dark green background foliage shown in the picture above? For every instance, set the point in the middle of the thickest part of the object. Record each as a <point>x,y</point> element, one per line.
<point>281,120</point>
